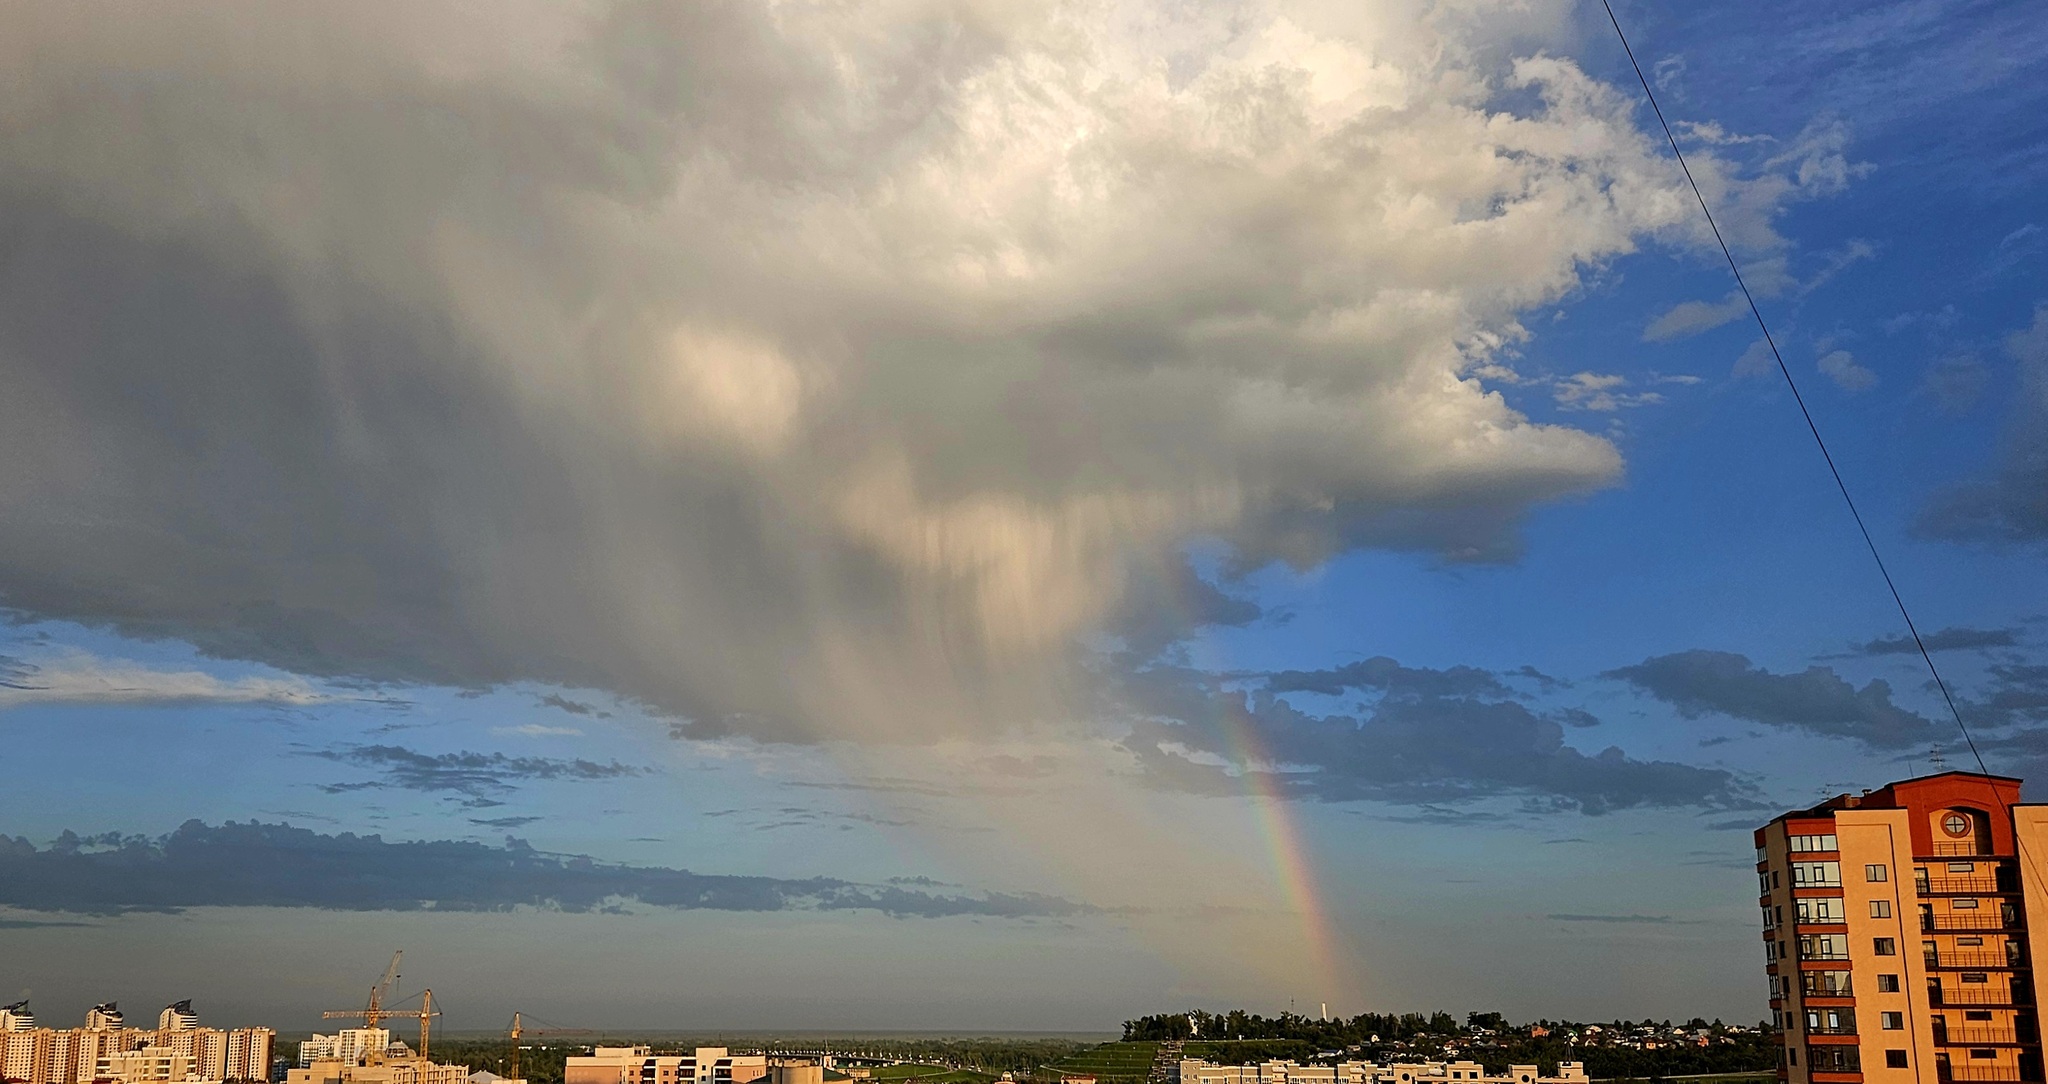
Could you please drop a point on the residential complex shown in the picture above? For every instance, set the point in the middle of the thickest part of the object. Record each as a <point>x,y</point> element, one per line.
<point>640,1065</point>
<point>177,1050</point>
<point>1195,1071</point>
<point>1897,936</point>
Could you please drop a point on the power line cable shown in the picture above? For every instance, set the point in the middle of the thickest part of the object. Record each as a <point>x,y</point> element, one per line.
<point>1786,371</point>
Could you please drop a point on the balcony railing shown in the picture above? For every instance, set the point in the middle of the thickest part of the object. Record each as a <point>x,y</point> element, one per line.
<point>1975,1036</point>
<point>1980,959</point>
<point>1967,848</point>
<point>1989,921</point>
<point>1989,995</point>
<point>1961,886</point>
<point>1970,1074</point>
<point>1847,1030</point>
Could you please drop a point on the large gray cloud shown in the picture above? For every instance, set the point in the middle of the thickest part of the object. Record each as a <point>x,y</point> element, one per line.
<point>276,865</point>
<point>675,349</point>
<point>1817,700</point>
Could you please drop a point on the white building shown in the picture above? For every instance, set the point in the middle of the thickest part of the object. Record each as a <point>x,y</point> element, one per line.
<point>16,1017</point>
<point>349,1046</point>
<point>177,1016</point>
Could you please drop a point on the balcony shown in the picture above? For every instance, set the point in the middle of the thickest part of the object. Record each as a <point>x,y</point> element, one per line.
<point>1963,886</point>
<point>1973,960</point>
<point>1968,848</point>
<point>1975,1036</point>
<point>1973,1073</point>
<point>1989,995</point>
<point>1849,1029</point>
<point>1990,921</point>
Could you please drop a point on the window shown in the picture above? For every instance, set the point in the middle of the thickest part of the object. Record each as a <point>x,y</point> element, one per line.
<point>1892,1021</point>
<point>1768,923</point>
<point>1983,1053</point>
<point>1793,1056</point>
<point>1956,824</point>
<point>1761,856</point>
<point>1963,905</point>
<point>1887,984</point>
<point>1763,882</point>
<point>1824,983</point>
<point>1833,1059</point>
<point>1975,976</point>
<point>1969,942</point>
<point>1813,843</point>
<point>1823,946</point>
<point>1962,867</point>
<point>1983,1015</point>
<point>1880,908</point>
<point>1816,874</point>
<point>1874,874</point>
<point>1895,1059</point>
<point>1818,909</point>
<point>1884,946</point>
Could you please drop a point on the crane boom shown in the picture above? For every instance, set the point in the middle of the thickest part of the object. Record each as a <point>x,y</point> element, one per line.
<point>518,1029</point>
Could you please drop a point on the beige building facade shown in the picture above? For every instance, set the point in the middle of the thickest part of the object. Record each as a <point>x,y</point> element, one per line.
<point>1897,940</point>
<point>640,1065</point>
<point>104,1050</point>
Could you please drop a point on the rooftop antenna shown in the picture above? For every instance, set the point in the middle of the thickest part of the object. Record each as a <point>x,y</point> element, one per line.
<point>1934,757</point>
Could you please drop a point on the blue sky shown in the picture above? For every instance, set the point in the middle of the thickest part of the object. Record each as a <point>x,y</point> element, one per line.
<point>1046,517</point>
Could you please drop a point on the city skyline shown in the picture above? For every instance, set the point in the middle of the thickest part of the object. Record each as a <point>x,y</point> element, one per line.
<point>976,516</point>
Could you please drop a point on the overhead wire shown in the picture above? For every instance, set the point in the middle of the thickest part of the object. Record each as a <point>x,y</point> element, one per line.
<point>2020,848</point>
<point>1786,371</point>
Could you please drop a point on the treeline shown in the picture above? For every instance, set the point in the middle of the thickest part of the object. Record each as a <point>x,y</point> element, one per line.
<point>1323,1034</point>
<point>1242,1038</point>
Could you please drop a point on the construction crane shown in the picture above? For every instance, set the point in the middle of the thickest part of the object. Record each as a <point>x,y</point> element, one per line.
<point>377,1010</point>
<point>378,993</point>
<point>519,1028</point>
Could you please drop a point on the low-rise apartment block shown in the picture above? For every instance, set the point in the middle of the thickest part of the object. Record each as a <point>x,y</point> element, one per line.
<point>640,1065</point>
<point>1197,1071</point>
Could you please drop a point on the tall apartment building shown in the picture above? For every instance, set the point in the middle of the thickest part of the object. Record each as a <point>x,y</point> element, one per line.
<point>1900,933</point>
<point>105,1050</point>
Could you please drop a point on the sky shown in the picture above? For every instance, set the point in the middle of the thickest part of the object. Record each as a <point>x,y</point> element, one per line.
<point>981,516</point>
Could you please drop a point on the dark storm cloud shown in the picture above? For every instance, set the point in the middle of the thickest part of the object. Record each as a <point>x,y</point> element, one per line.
<point>473,774</point>
<point>1949,639</point>
<point>1427,747</point>
<point>275,865</point>
<point>573,707</point>
<point>1816,700</point>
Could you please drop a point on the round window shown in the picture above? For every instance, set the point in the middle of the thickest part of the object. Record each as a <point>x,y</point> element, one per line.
<point>1956,824</point>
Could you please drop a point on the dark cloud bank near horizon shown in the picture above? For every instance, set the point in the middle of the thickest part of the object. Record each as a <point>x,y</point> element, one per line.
<point>277,865</point>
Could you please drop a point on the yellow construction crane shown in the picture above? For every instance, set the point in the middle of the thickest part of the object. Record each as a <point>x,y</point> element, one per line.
<point>518,1029</point>
<point>378,993</point>
<point>377,1011</point>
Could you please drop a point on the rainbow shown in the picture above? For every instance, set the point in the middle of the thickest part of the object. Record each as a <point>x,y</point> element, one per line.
<point>1329,951</point>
